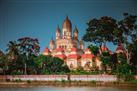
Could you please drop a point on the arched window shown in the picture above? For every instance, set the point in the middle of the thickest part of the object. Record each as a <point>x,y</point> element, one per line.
<point>87,65</point>
<point>64,33</point>
<point>71,66</point>
<point>65,46</point>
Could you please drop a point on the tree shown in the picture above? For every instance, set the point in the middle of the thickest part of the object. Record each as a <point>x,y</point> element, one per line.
<point>22,52</point>
<point>94,49</point>
<point>50,65</point>
<point>124,72</point>
<point>100,30</point>
<point>12,50</point>
<point>3,63</point>
<point>106,61</point>
<point>12,56</point>
<point>29,49</point>
<point>126,32</point>
<point>108,29</point>
<point>133,50</point>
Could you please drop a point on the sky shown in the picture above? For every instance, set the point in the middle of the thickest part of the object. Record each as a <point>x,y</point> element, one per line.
<point>39,18</point>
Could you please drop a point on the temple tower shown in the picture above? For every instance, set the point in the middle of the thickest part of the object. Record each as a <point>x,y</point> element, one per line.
<point>58,33</point>
<point>67,29</point>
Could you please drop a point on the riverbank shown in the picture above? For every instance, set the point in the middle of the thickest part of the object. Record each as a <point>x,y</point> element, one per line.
<point>63,80</point>
<point>66,84</point>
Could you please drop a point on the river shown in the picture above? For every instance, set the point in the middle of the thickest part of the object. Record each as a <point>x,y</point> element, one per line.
<point>71,89</point>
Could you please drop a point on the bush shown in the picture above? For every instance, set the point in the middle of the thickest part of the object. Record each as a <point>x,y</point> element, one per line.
<point>63,81</point>
<point>124,72</point>
<point>28,81</point>
<point>16,73</point>
<point>18,80</point>
<point>93,82</point>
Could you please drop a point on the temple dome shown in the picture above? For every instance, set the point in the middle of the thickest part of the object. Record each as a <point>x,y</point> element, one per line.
<point>67,24</point>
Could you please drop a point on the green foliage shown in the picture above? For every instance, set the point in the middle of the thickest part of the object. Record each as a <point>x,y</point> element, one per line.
<point>108,29</point>
<point>124,72</point>
<point>18,80</point>
<point>21,54</point>
<point>94,49</point>
<point>16,73</point>
<point>133,50</point>
<point>121,58</point>
<point>100,30</point>
<point>50,65</point>
<point>63,81</point>
<point>93,82</point>
<point>23,57</point>
<point>28,81</point>
<point>106,61</point>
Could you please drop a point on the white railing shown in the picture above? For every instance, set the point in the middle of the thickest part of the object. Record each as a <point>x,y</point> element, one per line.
<point>105,78</point>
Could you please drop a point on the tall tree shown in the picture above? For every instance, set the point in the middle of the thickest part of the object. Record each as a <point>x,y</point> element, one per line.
<point>3,63</point>
<point>107,29</point>
<point>29,49</point>
<point>100,30</point>
<point>127,32</point>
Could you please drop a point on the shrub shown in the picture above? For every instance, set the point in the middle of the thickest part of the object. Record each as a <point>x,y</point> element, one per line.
<point>28,81</point>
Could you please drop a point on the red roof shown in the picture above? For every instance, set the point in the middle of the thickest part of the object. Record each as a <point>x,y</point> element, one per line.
<point>73,49</point>
<point>46,50</point>
<point>87,49</point>
<point>120,47</point>
<point>104,48</point>
<point>59,50</point>
<point>62,56</point>
<point>75,56</point>
<point>87,56</point>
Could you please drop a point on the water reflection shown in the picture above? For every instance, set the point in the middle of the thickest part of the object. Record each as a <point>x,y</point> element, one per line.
<point>69,89</point>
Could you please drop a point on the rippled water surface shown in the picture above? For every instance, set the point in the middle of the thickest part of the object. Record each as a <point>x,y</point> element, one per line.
<point>70,89</point>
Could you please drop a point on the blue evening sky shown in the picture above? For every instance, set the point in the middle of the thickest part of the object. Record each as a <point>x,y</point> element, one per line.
<point>39,18</point>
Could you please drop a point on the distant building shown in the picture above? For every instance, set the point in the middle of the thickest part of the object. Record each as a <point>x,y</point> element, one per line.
<point>68,47</point>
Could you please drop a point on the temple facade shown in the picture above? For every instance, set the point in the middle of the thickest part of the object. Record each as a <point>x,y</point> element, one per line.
<point>68,47</point>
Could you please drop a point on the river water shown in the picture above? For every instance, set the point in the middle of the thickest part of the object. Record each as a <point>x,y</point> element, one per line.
<point>71,89</point>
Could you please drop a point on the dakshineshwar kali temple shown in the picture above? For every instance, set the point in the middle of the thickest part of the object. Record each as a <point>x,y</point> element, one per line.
<point>69,48</point>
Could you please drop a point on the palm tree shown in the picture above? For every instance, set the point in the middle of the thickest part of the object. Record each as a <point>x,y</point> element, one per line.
<point>12,50</point>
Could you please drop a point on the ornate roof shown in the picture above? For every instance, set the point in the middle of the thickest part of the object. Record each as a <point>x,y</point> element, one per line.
<point>46,50</point>
<point>104,48</point>
<point>62,56</point>
<point>67,24</point>
<point>120,47</point>
<point>59,50</point>
<point>87,50</point>
<point>58,29</point>
<point>74,49</point>
<point>75,56</point>
<point>75,30</point>
<point>52,41</point>
<point>87,54</point>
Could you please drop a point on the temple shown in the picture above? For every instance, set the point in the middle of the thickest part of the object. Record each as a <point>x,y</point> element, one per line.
<point>69,48</point>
